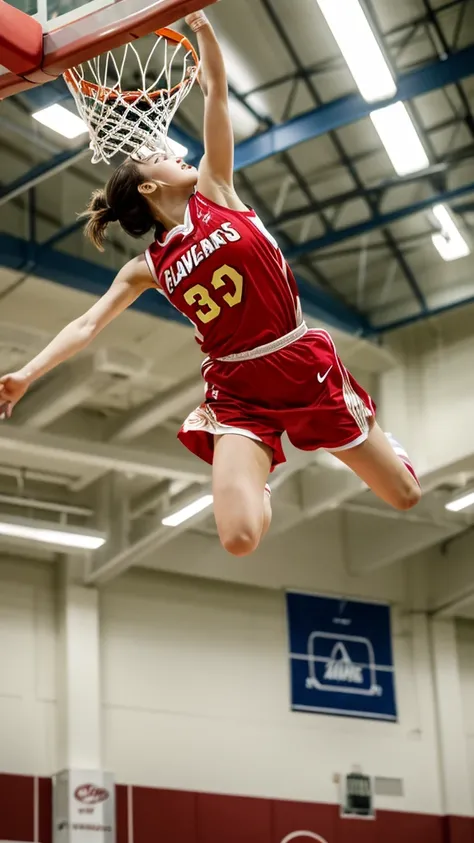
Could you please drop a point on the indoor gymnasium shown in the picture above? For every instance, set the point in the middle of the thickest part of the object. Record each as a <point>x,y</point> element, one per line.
<point>236,279</point>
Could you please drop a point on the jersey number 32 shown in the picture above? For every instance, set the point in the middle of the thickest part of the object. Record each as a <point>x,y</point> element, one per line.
<point>209,309</point>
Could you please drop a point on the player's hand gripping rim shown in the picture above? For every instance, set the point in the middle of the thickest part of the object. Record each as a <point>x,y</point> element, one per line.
<point>196,20</point>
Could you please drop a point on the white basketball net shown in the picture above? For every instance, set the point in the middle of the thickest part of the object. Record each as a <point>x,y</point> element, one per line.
<point>124,121</point>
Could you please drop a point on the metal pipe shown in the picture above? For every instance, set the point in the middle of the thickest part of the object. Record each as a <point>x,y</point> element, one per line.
<point>396,515</point>
<point>47,506</point>
<point>346,110</point>
<point>418,317</point>
<point>41,172</point>
<point>342,234</point>
<point>38,476</point>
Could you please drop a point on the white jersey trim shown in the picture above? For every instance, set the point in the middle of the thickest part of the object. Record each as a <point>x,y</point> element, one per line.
<point>204,420</point>
<point>354,403</point>
<point>353,444</point>
<point>186,228</point>
<point>151,267</point>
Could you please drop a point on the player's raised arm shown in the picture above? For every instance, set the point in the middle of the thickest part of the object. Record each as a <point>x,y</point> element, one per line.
<point>132,280</point>
<point>217,165</point>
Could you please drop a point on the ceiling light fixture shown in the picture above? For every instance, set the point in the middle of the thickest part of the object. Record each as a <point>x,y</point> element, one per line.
<point>50,533</point>
<point>460,503</point>
<point>61,120</point>
<point>177,148</point>
<point>449,242</point>
<point>400,139</point>
<point>354,36</point>
<point>187,511</point>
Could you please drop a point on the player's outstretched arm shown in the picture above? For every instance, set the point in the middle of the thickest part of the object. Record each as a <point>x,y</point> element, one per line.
<point>132,280</point>
<point>215,172</point>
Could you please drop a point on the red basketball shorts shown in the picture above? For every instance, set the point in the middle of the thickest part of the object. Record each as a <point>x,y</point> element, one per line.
<point>303,390</point>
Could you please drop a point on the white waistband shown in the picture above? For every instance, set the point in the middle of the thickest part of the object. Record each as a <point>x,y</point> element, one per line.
<point>268,348</point>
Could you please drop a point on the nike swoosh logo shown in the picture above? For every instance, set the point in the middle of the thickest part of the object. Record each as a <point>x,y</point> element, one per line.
<point>322,378</point>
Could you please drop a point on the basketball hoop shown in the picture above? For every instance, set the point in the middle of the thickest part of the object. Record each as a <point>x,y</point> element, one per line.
<point>125,121</point>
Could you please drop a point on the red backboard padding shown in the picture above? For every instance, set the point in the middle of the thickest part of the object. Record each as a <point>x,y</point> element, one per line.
<point>19,54</point>
<point>94,34</point>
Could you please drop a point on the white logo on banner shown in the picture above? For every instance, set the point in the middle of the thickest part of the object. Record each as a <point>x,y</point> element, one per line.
<point>341,673</point>
<point>340,667</point>
<point>303,835</point>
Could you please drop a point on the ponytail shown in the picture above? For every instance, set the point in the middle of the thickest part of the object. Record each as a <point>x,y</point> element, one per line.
<point>98,215</point>
<point>120,201</point>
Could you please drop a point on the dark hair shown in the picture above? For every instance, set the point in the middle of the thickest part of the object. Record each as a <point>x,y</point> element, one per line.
<point>120,201</point>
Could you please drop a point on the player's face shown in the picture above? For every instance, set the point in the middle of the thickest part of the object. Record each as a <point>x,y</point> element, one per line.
<point>168,171</point>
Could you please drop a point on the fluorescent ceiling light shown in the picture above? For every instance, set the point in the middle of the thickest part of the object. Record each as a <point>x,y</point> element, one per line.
<point>61,120</point>
<point>187,511</point>
<point>360,49</point>
<point>449,242</point>
<point>177,148</point>
<point>50,533</point>
<point>400,139</point>
<point>242,78</point>
<point>243,121</point>
<point>241,75</point>
<point>461,503</point>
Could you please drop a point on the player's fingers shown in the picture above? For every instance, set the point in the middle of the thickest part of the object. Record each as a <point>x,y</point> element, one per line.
<point>5,411</point>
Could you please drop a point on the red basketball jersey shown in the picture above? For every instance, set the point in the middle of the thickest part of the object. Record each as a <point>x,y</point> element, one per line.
<point>227,275</point>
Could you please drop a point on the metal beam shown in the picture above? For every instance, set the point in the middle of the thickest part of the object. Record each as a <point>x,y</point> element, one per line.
<point>42,171</point>
<point>66,158</point>
<point>278,139</point>
<point>76,381</point>
<point>377,190</point>
<point>118,563</point>
<point>413,318</point>
<point>87,277</point>
<point>82,454</point>
<point>321,306</point>
<point>376,222</point>
<point>43,96</point>
<point>81,275</point>
<point>350,109</point>
<point>174,402</point>
<point>109,567</point>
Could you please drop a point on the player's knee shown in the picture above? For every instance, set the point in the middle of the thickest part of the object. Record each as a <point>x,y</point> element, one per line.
<point>240,541</point>
<point>407,496</point>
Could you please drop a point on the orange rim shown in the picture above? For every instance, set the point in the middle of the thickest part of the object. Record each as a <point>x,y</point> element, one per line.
<point>91,89</point>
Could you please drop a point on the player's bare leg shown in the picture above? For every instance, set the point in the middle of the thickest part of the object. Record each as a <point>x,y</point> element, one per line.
<point>267,512</point>
<point>242,507</point>
<point>383,469</point>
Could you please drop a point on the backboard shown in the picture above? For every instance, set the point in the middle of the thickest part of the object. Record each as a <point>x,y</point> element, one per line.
<point>63,33</point>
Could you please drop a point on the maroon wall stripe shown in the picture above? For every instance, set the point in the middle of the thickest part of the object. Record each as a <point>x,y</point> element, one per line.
<point>171,816</point>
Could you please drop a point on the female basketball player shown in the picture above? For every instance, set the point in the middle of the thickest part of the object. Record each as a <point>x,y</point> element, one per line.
<point>265,373</point>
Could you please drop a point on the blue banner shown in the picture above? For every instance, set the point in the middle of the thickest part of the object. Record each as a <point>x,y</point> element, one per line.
<point>341,657</point>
